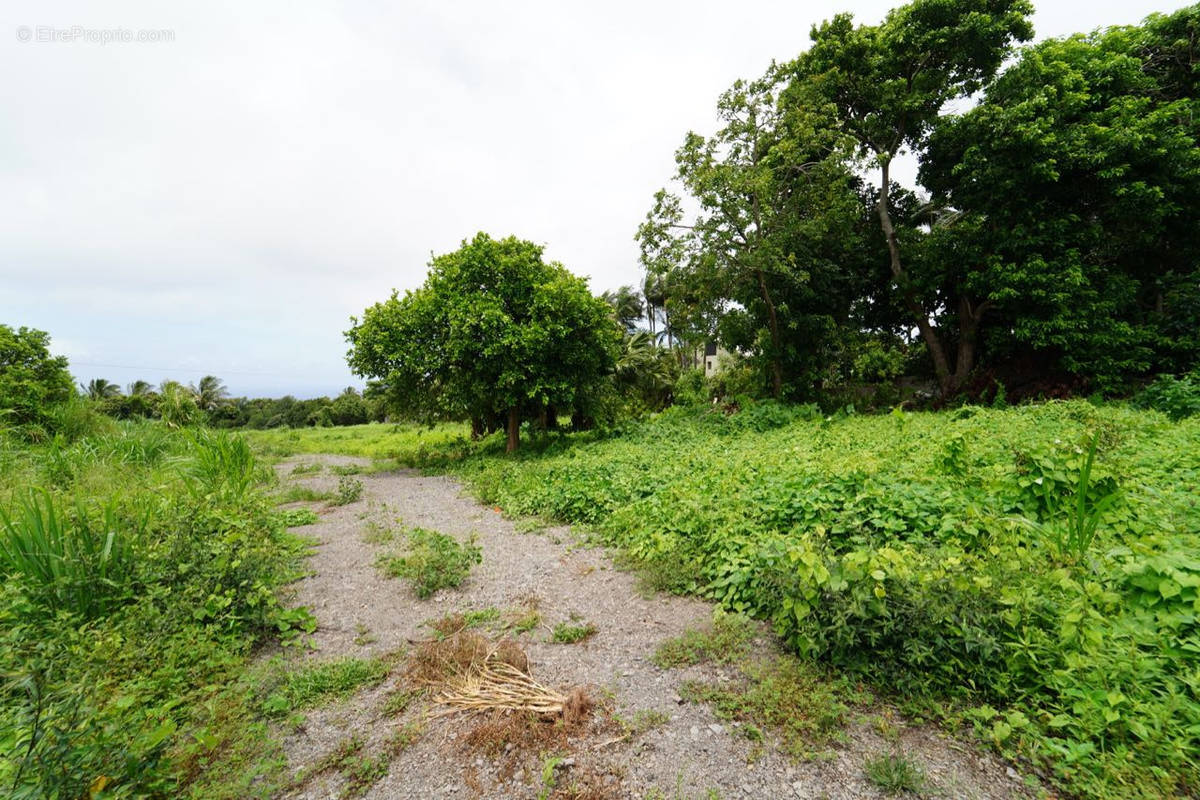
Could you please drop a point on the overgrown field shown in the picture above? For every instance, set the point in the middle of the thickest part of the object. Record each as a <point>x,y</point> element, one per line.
<point>374,440</point>
<point>141,566</point>
<point>969,560</point>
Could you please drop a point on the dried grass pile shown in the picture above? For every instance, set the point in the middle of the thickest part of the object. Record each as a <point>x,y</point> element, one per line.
<point>467,672</point>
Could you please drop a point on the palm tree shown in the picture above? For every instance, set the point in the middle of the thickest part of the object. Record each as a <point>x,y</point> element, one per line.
<point>210,393</point>
<point>139,388</point>
<point>654,291</point>
<point>100,389</point>
<point>627,306</point>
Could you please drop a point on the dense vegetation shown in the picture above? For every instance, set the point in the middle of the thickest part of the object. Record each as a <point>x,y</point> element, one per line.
<point>1030,571</point>
<point>1050,245</point>
<point>140,567</point>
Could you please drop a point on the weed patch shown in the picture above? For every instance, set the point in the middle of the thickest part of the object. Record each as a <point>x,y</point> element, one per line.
<point>297,517</point>
<point>726,642</point>
<point>349,490</point>
<point>433,561</point>
<point>313,685</point>
<point>895,773</point>
<point>571,633</point>
<point>301,494</point>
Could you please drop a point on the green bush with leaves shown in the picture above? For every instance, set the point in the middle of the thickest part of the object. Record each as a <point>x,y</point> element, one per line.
<point>1175,396</point>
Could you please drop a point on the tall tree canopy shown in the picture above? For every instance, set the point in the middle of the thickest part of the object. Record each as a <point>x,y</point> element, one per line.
<point>888,85</point>
<point>494,330</point>
<point>1078,179</point>
<point>770,256</point>
<point>1058,232</point>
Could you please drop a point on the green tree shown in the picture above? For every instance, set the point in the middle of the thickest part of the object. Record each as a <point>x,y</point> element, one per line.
<point>1077,181</point>
<point>100,389</point>
<point>139,389</point>
<point>210,393</point>
<point>494,330</point>
<point>31,379</point>
<point>348,408</point>
<point>627,305</point>
<point>888,85</point>
<point>773,257</point>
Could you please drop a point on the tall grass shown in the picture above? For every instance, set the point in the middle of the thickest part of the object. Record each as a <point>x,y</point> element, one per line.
<point>75,559</point>
<point>223,467</point>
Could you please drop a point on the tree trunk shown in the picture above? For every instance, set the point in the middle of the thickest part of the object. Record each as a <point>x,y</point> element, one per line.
<point>936,351</point>
<point>773,326</point>
<point>514,429</point>
<point>967,326</point>
<point>477,427</point>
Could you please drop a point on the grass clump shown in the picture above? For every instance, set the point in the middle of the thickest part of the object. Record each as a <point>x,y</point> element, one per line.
<point>307,469</point>
<point>301,494</point>
<point>895,773</point>
<point>313,685</point>
<point>727,641</point>
<point>643,721</point>
<point>462,620</point>
<point>572,633</point>
<point>433,561</point>
<point>298,517</point>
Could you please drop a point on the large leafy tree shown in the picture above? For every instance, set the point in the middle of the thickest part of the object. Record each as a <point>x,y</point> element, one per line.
<point>31,379</point>
<point>771,254</point>
<point>494,330</point>
<point>1077,179</point>
<point>888,85</point>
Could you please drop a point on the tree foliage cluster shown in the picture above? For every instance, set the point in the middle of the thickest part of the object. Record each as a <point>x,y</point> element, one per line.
<point>495,335</point>
<point>1053,232</point>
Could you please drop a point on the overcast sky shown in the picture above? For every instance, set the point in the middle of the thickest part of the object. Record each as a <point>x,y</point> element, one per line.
<point>222,200</point>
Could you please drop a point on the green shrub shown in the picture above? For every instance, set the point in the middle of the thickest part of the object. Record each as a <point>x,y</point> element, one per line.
<point>349,490</point>
<point>691,389</point>
<point>1176,396</point>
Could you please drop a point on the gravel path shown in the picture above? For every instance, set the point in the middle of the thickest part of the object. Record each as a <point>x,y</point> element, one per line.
<point>689,754</point>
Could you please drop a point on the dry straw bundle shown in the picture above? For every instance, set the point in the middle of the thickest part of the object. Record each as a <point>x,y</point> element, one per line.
<point>470,673</point>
